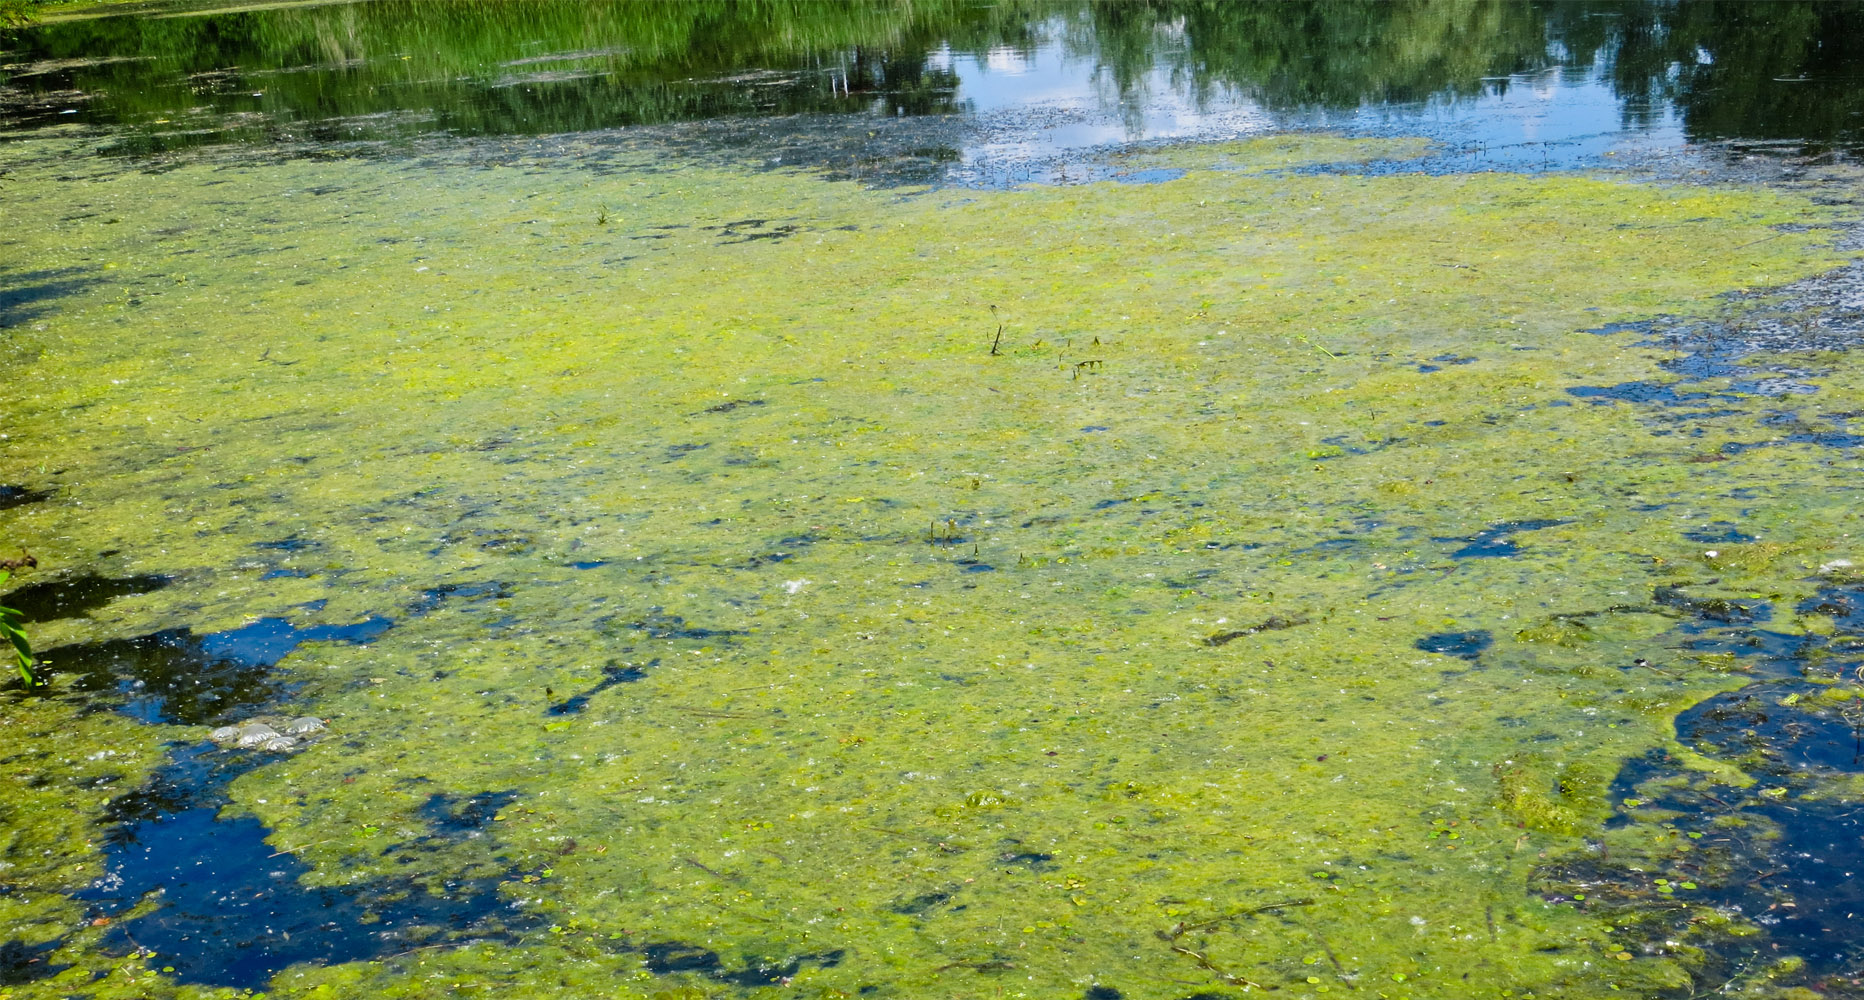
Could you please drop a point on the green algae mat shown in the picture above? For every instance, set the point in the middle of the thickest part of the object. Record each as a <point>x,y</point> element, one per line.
<point>728,583</point>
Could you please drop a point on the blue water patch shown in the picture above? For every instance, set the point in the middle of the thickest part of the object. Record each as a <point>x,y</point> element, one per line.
<point>269,640</point>
<point>1636,392</point>
<point>1718,533</point>
<point>1496,541</point>
<point>1157,175</point>
<point>1775,739</point>
<point>1640,326</point>
<point>1797,883</point>
<point>1781,856</point>
<point>232,910</point>
<point>1845,605</point>
<point>1467,645</point>
<point>1825,439</point>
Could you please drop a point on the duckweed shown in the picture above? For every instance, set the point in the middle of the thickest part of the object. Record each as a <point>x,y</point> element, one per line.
<point>699,446</point>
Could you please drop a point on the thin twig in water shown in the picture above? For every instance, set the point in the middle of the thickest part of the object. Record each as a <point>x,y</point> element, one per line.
<point>712,871</point>
<point>1204,962</point>
<point>711,713</point>
<point>1317,347</point>
<point>990,966</point>
<point>1335,959</point>
<point>425,947</point>
<point>1723,988</point>
<point>1763,239</point>
<point>1182,928</point>
<point>306,847</point>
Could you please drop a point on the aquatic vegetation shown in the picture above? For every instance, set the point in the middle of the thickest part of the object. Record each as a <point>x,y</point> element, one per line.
<point>11,627</point>
<point>1269,153</point>
<point>754,623</point>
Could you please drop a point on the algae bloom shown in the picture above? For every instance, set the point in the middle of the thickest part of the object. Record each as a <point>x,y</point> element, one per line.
<point>711,601</point>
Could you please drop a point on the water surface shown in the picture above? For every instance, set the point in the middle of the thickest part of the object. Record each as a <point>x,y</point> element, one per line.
<point>1039,500</point>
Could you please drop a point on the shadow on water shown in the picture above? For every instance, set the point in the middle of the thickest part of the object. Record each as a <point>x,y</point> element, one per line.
<point>27,295</point>
<point>613,674</point>
<point>49,600</point>
<point>659,625</point>
<point>21,963</point>
<point>672,956</point>
<point>19,496</point>
<point>175,676</point>
<point>453,817</point>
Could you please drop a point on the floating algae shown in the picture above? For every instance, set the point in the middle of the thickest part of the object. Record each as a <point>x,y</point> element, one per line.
<point>863,767</point>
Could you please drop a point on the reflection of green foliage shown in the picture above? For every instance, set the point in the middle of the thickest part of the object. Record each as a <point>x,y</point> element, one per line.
<point>532,68</point>
<point>369,71</point>
<point>1329,53</point>
<point>16,636</point>
<point>14,13</point>
<point>671,61</point>
<point>1762,70</point>
<point>1736,69</point>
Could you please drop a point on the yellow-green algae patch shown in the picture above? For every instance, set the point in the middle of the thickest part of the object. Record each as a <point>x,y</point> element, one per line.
<point>1092,661</point>
<point>1278,152</point>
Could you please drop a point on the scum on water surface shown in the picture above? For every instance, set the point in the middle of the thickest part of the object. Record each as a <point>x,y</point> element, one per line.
<point>1148,655</point>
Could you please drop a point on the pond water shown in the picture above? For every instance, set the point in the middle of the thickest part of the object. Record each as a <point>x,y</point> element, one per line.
<point>1030,499</point>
